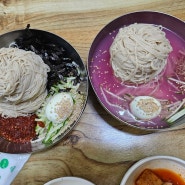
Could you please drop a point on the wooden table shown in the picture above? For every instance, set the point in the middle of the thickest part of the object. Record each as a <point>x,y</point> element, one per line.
<point>100,148</point>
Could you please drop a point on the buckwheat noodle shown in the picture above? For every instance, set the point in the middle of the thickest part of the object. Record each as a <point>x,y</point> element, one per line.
<point>23,78</point>
<point>139,53</point>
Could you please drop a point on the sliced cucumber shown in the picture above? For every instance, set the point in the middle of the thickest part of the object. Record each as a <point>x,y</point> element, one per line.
<point>176,116</point>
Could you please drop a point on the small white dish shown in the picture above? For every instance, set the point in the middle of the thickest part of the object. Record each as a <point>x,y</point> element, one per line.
<point>168,162</point>
<point>69,181</point>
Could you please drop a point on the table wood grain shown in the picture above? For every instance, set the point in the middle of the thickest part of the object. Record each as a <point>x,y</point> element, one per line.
<point>100,148</point>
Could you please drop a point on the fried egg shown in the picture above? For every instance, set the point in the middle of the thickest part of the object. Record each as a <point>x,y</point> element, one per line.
<point>59,107</point>
<point>145,107</point>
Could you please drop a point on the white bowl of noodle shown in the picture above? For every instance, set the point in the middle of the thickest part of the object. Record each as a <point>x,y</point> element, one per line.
<point>136,65</point>
<point>39,70</point>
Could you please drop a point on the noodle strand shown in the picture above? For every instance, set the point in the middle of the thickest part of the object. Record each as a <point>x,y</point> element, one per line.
<point>23,79</point>
<point>139,53</point>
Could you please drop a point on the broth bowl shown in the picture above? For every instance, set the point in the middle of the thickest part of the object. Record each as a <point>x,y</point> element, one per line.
<point>114,94</point>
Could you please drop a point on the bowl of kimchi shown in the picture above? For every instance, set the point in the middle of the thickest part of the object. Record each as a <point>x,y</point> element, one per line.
<point>156,170</point>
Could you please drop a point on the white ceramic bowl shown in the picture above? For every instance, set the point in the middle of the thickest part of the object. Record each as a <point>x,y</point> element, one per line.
<point>69,181</point>
<point>168,162</point>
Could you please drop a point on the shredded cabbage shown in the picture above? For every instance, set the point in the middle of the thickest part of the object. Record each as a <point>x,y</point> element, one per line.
<point>51,131</point>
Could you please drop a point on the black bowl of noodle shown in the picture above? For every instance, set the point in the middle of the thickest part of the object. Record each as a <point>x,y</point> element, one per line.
<point>136,68</point>
<point>44,89</point>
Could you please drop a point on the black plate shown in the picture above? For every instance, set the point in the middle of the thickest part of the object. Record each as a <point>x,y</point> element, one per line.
<point>37,145</point>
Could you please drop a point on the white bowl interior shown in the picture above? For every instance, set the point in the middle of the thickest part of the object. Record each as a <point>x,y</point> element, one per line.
<point>69,181</point>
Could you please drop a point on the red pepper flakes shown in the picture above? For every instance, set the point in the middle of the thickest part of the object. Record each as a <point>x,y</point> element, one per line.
<point>18,130</point>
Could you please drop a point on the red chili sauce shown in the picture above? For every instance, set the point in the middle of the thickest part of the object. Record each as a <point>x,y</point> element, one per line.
<point>18,130</point>
<point>169,176</point>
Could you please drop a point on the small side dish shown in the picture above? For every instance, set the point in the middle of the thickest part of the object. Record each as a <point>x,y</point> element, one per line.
<point>159,177</point>
<point>156,170</point>
<point>69,181</point>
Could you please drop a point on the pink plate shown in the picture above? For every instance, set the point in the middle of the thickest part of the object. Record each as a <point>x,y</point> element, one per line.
<point>111,91</point>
